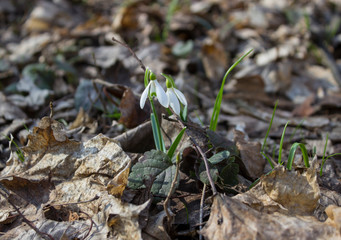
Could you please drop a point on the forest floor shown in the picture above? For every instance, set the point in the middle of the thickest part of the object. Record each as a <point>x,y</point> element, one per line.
<point>78,158</point>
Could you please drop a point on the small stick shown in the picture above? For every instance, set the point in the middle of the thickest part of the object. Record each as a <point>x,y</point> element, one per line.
<point>29,223</point>
<point>131,51</point>
<point>86,201</point>
<point>214,190</point>
<point>51,108</point>
<point>202,209</point>
<point>165,204</point>
<point>92,223</point>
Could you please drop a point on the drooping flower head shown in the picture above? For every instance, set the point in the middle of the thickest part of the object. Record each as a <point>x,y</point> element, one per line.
<point>174,96</point>
<point>154,89</point>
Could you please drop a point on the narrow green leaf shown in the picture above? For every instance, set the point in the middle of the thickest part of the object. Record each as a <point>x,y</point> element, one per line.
<point>281,144</point>
<point>329,156</point>
<point>258,179</point>
<point>292,155</point>
<point>146,77</point>
<point>324,154</point>
<point>155,132</point>
<point>170,79</point>
<point>267,132</point>
<point>184,113</point>
<point>268,159</point>
<point>175,143</point>
<point>217,104</point>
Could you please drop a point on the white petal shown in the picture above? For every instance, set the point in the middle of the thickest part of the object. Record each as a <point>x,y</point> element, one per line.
<point>144,96</point>
<point>152,87</point>
<point>181,96</point>
<point>173,101</point>
<point>161,95</point>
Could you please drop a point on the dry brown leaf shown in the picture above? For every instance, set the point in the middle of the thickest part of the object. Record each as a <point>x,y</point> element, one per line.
<point>334,216</point>
<point>156,230</point>
<point>214,59</point>
<point>59,173</point>
<point>131,113</point>
<point>231,219</point>
<point>252,162</point>
<point>289,192</point>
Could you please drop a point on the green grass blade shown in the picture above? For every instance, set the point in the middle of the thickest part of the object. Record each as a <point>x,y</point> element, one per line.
<point>216,109</point>
<point>258,179</point>
<point>175,143</point>
<point>281,144</point>
<point>18,150</point>
<point>267,132</point>
<point>332,155</point>
<point>155,132</point>
<point>146,77</point>
<point>292,155</point>
<point>269,160</point>
<point>171,9</point>
<point>184,114</point>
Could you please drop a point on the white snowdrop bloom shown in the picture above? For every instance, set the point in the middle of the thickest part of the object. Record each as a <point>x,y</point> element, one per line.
<point>174,95</point>
<point>154,89</point>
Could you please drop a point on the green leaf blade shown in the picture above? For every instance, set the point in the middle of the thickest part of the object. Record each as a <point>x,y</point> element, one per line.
<point>175,143</point>
<point>217,104</point>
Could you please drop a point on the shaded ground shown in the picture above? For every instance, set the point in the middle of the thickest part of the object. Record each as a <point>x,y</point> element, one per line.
<point>62,51</point>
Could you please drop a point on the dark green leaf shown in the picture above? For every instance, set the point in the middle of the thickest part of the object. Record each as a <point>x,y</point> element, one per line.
<point>156,165</point>
<point>40,75</point>
<point>217,158</point>
<point>229,174</point>
<point>203,175</point>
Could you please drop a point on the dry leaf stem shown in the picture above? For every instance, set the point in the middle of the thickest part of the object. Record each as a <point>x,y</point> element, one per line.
<point>132,53</point>
<point>198,148</point>
<point>29,223</point>
<point>202,209</point>
<point>166,203</point>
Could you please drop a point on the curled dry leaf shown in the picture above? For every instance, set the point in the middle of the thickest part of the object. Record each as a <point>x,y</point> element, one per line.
<point>78,176</point>
<point>231,219</point>
<point>131,113</point>
<point>251,161</point>
<point>288,192</point>
<point>279,207</point>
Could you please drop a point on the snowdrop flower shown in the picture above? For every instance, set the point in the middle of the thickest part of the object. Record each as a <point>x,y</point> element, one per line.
<point>174,95</point>
<point>154,89</point>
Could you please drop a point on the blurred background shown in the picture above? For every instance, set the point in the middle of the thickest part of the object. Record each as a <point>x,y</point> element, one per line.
<point>62,51</point>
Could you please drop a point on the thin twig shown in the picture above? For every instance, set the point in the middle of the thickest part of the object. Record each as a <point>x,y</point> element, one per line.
<point>132,53</point>
<point>165,204</point>
<point>29,223</point>
<point>86,201</point>
<point>214,190</point>
<point>92,223</point>
<point>202,209</point>
<point>100,97</point>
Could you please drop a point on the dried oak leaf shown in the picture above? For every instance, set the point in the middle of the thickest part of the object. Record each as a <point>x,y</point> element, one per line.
<point>251,161</point>
<point>231,219</point>
<point>87,172</point>
<point>131,113</point>
<point>288,192</point>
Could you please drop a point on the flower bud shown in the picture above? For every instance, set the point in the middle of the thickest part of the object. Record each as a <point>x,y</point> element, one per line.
<point>152,76</point>
<point>168,83</point>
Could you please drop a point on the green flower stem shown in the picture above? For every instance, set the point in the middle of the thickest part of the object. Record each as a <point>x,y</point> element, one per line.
<point>161,142</point>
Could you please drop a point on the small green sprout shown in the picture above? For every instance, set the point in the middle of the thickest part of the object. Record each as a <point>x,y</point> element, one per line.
<point>18,150</point>
<point>217,104</point>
